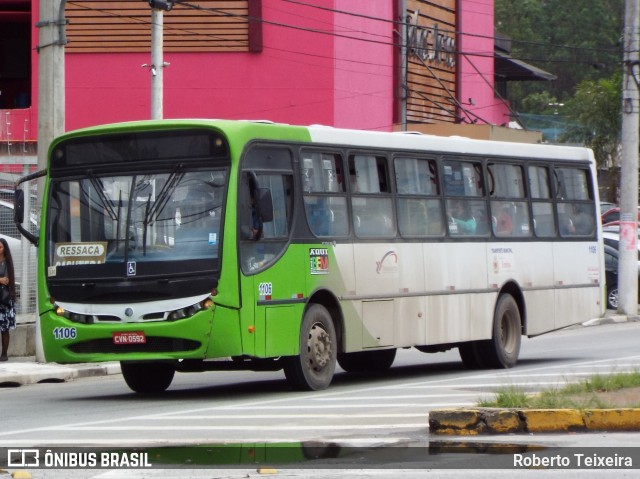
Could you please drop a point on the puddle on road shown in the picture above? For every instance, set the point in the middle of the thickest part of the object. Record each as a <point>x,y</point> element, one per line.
<point>438,454</point>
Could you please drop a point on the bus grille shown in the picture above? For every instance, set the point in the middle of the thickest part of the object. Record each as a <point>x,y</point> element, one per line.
<point>153,345</point>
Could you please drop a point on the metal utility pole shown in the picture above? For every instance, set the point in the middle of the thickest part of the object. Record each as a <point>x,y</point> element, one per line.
<point>51,41</point>
<point>628,251</point>
<point>157,63</point>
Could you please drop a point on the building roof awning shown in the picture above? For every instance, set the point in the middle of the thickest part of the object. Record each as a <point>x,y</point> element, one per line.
<point>510,69</point>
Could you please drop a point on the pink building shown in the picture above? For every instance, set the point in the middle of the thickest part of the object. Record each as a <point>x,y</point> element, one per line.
<point>362,64</point>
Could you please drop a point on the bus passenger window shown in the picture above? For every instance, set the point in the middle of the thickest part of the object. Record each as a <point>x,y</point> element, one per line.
<point>543,223</point>
<point>419,214</point>
<point>323,188</point>
<point>576,219</point>
<point>371,204</point>
<point>463,178</point>
<point>542,208</point>
<point>461,219</point>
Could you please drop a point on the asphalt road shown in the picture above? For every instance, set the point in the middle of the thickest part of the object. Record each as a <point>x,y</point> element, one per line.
<point>360,418</point>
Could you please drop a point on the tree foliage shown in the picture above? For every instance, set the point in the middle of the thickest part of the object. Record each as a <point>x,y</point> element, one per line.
<point>594,116</point>
<point>575,40</point>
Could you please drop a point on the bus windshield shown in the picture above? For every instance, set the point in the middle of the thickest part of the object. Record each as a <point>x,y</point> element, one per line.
<point>136,219</point>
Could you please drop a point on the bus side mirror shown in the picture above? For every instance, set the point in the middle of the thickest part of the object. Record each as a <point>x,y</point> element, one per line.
<point>265,204</point>
<point>18,217</point>
<point>18,208</point>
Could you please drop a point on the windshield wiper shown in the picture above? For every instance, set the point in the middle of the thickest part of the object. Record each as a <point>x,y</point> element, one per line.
<point>106,203</point>
<point>165,193</point>
<point>151,210</point>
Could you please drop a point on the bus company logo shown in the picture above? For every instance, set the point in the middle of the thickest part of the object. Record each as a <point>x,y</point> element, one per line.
<point>319,260</point>
<point>23,458</point>
<point>388,263</point>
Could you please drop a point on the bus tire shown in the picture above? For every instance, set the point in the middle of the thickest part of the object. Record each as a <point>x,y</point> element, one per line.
<point>367,361</point>
<point>147,377</point>
<point>470,355</point>
<point>502,350</point>
<point>313,368</point>
<point>612,297</point>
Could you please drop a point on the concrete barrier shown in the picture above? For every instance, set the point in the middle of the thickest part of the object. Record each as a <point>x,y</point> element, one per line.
<point>473,421</point>
<point>22,342</point>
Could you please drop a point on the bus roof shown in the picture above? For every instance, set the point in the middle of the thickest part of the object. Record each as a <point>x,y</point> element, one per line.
<point>444,144</point>
<point>398,141</point>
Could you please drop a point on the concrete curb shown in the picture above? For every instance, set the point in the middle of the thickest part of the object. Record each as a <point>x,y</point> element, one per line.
<point>23,373</point>
<point>474,421</point>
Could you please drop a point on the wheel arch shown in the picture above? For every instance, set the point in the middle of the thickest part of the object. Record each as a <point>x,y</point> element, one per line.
<point>327,299</point>
<point>513,288</point>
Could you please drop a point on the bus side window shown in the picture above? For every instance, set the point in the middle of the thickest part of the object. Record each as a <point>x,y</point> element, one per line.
<point>419,213</point>
<point>323,189</point>
<point>371,204</point>
<point>542,208</point>
<point>576,214</point>
<point>510,214</point>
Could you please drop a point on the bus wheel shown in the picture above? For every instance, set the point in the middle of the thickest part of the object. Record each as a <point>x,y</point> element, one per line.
<point>147,378</point>
<point>612,297</point>
<point>470,355</point>
<point>502,350</point>
<point>367,361</point>
<point>313,368</point>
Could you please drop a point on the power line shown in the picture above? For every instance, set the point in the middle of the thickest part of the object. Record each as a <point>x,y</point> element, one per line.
<point>223,12</point>
<point>399,23</point>
<point>387,43</point>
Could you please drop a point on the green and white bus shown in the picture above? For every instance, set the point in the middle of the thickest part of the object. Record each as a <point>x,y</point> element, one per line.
<point>193,245</point>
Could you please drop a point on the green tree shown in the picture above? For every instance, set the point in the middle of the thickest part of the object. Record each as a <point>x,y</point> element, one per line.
<point>594,117</point>
<point>576,41</point>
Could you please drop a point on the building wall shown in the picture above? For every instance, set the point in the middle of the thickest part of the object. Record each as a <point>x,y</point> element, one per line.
<point>302,76</point>
<point>476,64</point>
<point>364,66</point>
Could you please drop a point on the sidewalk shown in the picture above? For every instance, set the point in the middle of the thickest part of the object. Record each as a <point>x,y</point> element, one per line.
<point>23,370</point>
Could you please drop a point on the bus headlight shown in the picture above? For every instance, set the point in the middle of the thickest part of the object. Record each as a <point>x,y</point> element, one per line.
<point>190,310</point>
<point>75,317</point>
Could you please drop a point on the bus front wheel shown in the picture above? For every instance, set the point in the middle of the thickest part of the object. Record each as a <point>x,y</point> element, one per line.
<point>313,368</point>
<point>147,378</point>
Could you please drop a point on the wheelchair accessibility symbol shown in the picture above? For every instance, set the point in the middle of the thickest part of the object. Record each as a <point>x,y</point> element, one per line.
<point>131,268</point>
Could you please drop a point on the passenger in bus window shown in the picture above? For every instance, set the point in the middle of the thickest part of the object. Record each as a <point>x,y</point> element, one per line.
<point>583,222</point>
<point>461,221</point>
<point>504,221</point>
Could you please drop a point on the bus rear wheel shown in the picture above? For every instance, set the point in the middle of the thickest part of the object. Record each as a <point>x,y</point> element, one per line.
<point>147,377</point>
<point>471,356</point>
<point>367,361</point>
<point>502,350</point>
<point>313,368</point>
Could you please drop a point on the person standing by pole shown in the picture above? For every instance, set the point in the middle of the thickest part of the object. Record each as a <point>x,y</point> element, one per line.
<point>7,297</point>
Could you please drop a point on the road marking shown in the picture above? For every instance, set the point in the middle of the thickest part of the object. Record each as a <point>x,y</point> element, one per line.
<point>252,427</point>
<point>180,417</point>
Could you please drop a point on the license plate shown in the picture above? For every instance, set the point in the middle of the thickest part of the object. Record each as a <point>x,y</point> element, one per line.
<point>129,337</point>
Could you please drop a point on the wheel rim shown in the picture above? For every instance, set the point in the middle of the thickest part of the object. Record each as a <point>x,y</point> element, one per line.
<point>613,298</point>
<point>319,347</point>
<point>507,332</point>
